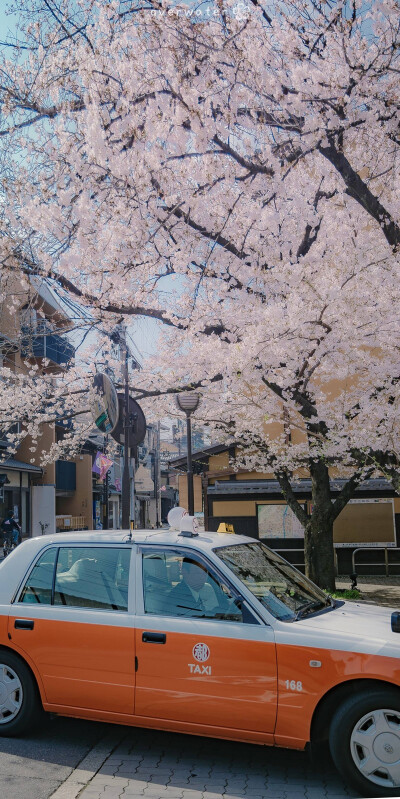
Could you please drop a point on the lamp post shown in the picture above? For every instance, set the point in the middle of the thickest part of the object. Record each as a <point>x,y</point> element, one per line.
<point>188,403</point>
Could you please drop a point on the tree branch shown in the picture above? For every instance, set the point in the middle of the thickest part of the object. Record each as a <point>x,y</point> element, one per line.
<point>348,490</point>
<point>360,192</point>
<point>291,498</point>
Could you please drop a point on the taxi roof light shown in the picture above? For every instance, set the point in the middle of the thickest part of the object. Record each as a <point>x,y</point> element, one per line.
<point>225,528</point>
<point>188,526</point>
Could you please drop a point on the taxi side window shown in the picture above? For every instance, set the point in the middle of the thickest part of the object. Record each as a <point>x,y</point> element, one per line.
<point>38,587</point>
<point>92,577</point>
<point>178,584</point>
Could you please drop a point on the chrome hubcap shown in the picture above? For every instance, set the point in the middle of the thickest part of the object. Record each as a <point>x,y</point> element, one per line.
<point>375,747</point>
<point>11,694</point>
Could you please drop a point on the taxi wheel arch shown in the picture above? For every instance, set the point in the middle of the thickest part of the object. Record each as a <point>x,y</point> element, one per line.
<point>329,703</point>
<point>30,707</point>
<point>364,737</point>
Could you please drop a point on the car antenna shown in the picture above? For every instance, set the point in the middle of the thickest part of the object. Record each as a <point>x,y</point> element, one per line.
<point>129,536</point>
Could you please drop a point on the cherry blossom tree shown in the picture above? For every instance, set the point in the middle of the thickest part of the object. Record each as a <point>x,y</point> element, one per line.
<point>230,170</point>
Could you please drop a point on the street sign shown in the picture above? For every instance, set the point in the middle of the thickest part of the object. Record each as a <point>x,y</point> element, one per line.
<point>137,423</point>
<point>105,408</point>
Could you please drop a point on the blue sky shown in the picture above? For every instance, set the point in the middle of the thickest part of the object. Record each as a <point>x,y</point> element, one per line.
<point>7,21</point>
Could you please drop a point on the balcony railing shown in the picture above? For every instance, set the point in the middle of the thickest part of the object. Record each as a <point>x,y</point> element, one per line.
<point>44,343</point>
<point>7,345</point>
<point>67,522</point>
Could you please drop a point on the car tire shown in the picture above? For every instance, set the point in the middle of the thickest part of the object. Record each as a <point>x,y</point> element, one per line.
<point>364,740</point>
<point>20,706</point>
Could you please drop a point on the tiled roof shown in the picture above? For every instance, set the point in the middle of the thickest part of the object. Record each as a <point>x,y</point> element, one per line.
<point>20,466</point>
<point>299,486</point>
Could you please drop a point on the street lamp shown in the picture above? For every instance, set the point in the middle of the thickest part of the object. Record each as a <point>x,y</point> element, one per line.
<point>188,403</point>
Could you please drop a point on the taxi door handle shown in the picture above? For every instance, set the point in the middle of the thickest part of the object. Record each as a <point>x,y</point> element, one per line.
<point>154,638</point>
<point>24,624</point>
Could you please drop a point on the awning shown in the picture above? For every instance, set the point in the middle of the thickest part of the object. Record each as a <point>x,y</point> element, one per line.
<point>199,455</point>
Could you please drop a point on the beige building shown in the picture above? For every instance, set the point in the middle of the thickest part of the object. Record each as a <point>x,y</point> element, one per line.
<point>33,330</point>
<point>253,503</point>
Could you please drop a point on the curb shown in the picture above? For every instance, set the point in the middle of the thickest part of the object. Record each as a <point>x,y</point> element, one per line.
<point>87,768</point>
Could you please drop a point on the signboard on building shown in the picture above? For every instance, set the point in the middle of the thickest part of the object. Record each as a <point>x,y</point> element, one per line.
<point>366,523</point>
<point>362,523</point>
<point>278,521</point>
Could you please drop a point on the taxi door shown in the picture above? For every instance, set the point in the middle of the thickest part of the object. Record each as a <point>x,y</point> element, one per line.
<point>77,631</point>
<point>214,667</point>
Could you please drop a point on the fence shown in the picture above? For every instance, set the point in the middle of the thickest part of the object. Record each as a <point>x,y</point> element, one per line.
<point>297,565</point>
<point>301,565</point>
<point>386,563</point>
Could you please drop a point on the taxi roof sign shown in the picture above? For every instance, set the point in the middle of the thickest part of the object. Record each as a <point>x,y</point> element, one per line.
<point>225,528</point>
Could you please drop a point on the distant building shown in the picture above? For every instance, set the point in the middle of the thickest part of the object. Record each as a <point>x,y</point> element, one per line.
<point>34,327</point>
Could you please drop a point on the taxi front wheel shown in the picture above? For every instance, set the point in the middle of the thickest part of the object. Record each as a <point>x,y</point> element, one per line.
<point>19,702</point>
<point>364,741</point>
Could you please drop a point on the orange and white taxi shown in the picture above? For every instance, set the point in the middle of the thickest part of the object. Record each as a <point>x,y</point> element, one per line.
<point>204,633</point>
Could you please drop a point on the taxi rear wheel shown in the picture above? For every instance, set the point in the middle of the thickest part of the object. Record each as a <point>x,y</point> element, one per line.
<point>364,740</point>
<point>19,701</point>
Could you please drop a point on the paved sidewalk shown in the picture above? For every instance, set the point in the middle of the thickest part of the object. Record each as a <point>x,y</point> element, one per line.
<point>378,590</point>
<point>156,765</point>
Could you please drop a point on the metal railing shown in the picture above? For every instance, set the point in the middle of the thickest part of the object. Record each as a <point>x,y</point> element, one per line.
<point>386,562</point>
<point>301,565</point>
<point>289,549</point>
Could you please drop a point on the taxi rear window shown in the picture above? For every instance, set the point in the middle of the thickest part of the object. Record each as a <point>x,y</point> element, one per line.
<point>87,576</point>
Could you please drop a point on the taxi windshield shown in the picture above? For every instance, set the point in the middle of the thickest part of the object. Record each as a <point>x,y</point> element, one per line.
<point>284,591</point>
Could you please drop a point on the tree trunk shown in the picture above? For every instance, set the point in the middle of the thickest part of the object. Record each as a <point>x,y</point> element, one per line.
<point>318,533</point>
<point>318,551</point>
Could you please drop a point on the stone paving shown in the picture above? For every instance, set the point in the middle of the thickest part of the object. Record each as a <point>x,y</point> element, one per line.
<point>156,765</point>
<point>379,590</point>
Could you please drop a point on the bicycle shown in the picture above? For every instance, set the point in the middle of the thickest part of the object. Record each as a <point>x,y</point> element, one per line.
<point>8,545</point>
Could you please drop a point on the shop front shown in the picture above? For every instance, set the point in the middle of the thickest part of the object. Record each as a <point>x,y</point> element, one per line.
<point>15,491</point>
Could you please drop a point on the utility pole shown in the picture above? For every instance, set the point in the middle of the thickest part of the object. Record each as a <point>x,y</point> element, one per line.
<point>157,475</point>
<point>106,501</point>
<point>126,499</point>
<point>129,430</point>
<point>106,486</point>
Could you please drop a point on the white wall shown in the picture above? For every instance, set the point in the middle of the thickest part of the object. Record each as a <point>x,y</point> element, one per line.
<point>43,509</point>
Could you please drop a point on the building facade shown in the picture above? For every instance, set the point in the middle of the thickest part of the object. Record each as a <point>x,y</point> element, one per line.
<point>254,505</point>
<point>33,332</point>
